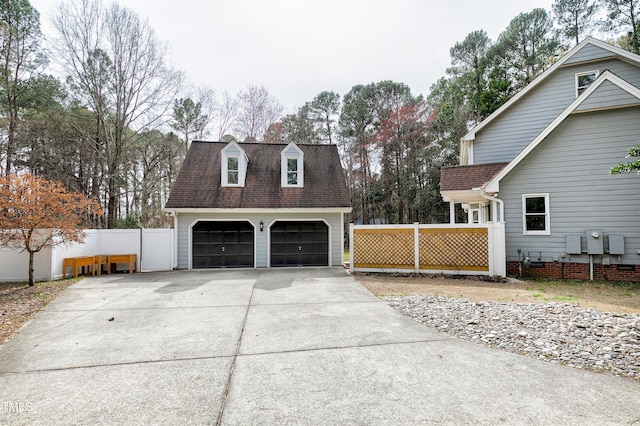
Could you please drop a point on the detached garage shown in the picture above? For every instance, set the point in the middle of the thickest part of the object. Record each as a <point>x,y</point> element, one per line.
<point>239,205</point>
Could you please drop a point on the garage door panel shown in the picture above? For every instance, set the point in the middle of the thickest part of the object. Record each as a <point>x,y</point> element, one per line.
<point>222,244</point>
<point>299,243</point>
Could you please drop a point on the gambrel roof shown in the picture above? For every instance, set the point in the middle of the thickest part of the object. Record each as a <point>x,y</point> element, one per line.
<point>198,185</point>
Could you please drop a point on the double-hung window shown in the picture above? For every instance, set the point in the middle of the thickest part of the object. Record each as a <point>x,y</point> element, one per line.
<point>292,166</point>
<point>232,171</point>
<point>292,171</point>
<point>535,214</point>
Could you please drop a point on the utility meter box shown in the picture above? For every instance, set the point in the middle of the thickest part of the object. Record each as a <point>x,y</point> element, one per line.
<point>595,242</point>
<point>616,244</point>
<point>574,244</point>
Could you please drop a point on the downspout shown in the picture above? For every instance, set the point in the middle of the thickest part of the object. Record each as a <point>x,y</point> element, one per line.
<point>174,261</point>
<point>497,200</point>
<point>496,268</point>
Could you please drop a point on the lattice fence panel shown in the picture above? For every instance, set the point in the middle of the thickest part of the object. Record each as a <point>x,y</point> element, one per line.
<point>383,248</point>
<point>454,249</point>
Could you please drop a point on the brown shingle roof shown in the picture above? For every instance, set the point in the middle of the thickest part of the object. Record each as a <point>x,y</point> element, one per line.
<point>198,183</point>
<point>459,178</point>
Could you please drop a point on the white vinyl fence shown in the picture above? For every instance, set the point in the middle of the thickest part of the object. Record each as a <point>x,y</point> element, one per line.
<point>154,248</point>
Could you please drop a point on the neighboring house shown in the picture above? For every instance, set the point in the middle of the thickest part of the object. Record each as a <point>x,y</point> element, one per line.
<point>541,163</point>
<point>259,205</point>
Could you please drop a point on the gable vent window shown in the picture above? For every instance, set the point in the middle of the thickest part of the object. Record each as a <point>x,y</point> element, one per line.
<point>584,80</point>
<point>232,170</point>
<point>535,212</point>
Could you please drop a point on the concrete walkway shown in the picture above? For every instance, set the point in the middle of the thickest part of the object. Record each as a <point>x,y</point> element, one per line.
<point>287,346</point>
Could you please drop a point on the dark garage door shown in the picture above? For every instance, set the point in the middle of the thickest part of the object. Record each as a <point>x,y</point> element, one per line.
<point>222,245</point>
<point>299,244</point>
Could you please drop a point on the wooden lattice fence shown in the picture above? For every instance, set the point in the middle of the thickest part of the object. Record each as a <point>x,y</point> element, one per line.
<point>455,249</point>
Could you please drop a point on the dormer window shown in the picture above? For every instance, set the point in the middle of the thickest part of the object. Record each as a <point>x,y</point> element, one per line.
<point>292,171</point>
<point>292,166</point>
<point>234,163</point>
<point>232,170</point>
<point>584,80</point>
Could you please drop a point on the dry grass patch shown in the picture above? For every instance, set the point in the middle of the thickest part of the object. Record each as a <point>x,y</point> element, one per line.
<point>603,296</point>
<point>20,303</point>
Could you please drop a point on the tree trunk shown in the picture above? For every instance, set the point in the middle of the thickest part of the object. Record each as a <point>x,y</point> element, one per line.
<point>31,280</point>
<point>112,202</point>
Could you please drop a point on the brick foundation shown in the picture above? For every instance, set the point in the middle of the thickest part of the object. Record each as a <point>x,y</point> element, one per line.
<point>575,271</point>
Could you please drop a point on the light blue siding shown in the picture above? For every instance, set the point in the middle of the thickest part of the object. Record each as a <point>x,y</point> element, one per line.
<point>608,95</point>
<point>589,53</point>
<point>504,138</point>
<point>572,165</point>
<point>186,220</point>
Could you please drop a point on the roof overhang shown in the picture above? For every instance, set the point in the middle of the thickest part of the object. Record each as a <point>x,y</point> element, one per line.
<point>464,196</point>
<point>260,210</point>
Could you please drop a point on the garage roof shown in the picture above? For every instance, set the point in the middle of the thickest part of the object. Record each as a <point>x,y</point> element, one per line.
<point>198,184</point>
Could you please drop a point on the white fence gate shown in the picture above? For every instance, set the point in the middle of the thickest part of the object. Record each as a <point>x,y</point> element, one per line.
<point>153,247</point>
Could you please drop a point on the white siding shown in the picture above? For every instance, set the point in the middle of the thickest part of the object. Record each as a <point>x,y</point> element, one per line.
<point>185,220</point>
<point>572,165</point>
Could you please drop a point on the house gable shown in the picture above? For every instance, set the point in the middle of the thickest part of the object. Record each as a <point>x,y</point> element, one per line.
<point>588,53</point>
<point>631,92</point>
<point>608,95</point>
<point>572,166</point>
<point>507,131</point>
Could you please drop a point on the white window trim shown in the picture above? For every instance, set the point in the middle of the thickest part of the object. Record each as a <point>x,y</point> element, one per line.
<point>242,166</point>
<point>580,74</point>
<point>547,215</point>
<point>284,182</point>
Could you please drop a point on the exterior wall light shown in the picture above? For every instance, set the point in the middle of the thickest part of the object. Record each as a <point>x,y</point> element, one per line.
<point>261,226</point>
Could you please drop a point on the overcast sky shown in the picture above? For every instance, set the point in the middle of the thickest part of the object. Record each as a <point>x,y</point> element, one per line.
<point>298,48</point>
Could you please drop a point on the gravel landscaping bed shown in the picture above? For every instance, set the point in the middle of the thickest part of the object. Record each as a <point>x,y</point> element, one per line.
<point>557,332</point>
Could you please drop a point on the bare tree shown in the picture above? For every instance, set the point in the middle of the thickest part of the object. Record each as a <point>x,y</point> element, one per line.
<point>257,109</point>
<point>118,67</point>
<point>226,114</point>
<point>209,105</point>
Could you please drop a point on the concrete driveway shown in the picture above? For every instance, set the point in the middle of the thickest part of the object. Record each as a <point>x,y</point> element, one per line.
<point>281,346</point>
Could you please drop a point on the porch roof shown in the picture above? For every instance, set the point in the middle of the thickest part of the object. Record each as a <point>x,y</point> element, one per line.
<point>462,184</point>
<point>460,178</point>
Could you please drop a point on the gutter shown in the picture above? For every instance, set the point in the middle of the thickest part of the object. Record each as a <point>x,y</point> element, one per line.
<point>486,196</point>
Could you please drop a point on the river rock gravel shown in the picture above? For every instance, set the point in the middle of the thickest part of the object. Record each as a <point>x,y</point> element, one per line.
<point>556,332</point>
